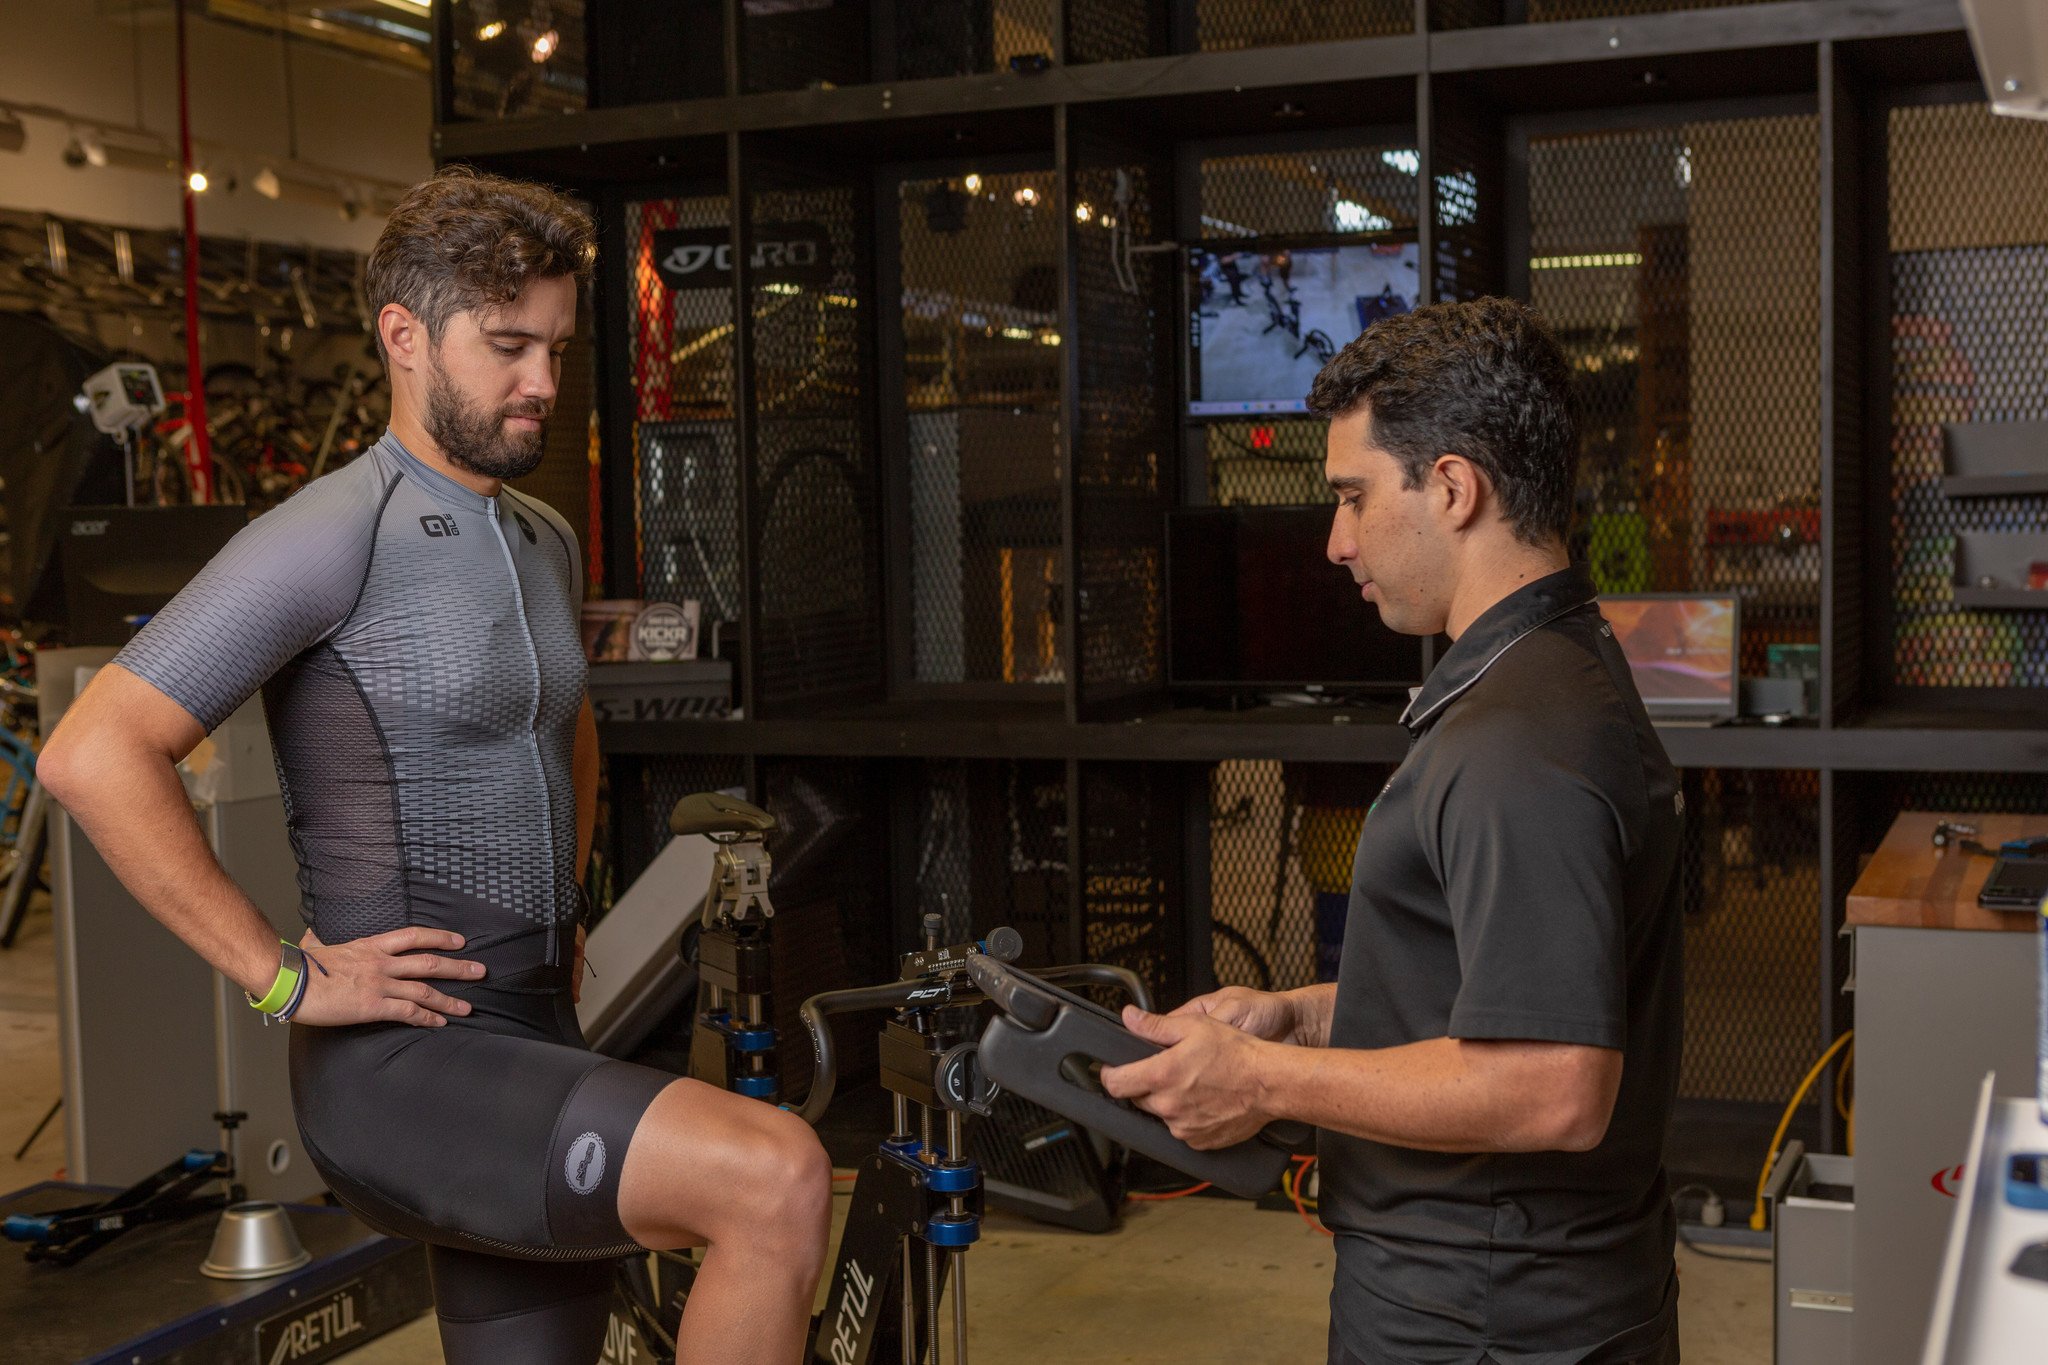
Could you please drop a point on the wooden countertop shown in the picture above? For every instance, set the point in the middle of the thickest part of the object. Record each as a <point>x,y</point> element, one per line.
<point>1912,884</point>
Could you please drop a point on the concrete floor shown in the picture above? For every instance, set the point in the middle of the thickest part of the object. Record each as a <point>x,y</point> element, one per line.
<point>1189,1281</point>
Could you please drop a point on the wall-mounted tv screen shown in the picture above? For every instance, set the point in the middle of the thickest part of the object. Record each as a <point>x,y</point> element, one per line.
<point>1264,316</point>
<point>1253,604</point>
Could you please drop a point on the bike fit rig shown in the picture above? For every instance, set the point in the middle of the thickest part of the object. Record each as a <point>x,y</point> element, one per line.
<point>733,1043</point>
<point>917,1202</point>
<point>67,1236</point>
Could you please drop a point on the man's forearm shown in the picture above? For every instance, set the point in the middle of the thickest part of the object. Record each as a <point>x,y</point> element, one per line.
<point>1313,1007</point>
<point>1440,1095</point>
<point>134,808</point>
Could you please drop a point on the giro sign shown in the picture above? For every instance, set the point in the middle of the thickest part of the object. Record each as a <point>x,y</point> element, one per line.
<point>783,253</point>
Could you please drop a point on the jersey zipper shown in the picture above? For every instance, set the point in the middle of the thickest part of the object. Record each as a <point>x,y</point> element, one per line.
<point>532,721</point>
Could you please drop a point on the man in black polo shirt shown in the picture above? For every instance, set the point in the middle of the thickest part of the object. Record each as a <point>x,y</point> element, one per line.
<point>1495,1066</point>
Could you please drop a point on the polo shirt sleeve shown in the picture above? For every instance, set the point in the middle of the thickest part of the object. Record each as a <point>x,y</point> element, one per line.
<point>1531,854</point>
<point>284,583</point>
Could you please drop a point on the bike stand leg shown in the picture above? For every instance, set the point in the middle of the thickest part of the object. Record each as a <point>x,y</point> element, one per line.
<point>22,1150</point>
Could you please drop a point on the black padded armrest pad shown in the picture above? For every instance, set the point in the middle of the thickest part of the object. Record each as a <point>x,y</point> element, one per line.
<point>1038,1026</point>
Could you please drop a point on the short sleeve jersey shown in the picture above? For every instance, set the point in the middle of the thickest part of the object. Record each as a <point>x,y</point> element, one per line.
<point>419,655</point>
<point>1517,878</point>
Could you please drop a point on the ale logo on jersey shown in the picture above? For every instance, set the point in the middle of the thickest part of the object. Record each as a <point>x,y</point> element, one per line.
<point>584,1167</point>
<point>434,524</point>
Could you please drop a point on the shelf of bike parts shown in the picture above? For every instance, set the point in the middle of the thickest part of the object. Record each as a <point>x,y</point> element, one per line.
<point>1720,52</point>
<point>972,731</point>
<point>2002,570</point>
<point>1994,459</point>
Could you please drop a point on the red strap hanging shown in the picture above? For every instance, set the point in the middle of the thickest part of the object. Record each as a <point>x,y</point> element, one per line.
<point>199,450</point>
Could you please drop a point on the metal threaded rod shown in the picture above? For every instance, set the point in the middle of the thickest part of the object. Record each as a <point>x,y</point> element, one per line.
<point>931,1253</point>
<point>956,1150</point>
<point>960,1306</point>
<point>909,1306</point>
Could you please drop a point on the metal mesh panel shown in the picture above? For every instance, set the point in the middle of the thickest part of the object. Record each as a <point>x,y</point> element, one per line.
<point>1551,11</point>
<point>833,846</point>
<point>790,47</point>
<point>518,57</point>
<point>1222,25</point>
<point>1132,853</point>
<point>1282,837</point>
<point>816,490</point>
<point>1969,274</point>
<point>1453,14</point>
<point>1881,797</point>
<point>1113,30</point>
<point>991,849</point>
<point>686,467</point>
<point>1125,442</point>
<point>1752,937</point>
<point>1266,463</point>
<point>981,365</point>
<point>1366,188</point>
<point>1679,267</point>
<point>1467,196</point>
<point>829,884</point>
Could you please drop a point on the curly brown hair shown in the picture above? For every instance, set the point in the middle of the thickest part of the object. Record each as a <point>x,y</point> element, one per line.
<point>466,241</point>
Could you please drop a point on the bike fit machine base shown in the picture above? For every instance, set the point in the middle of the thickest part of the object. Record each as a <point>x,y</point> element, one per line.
<point>142,1297</point>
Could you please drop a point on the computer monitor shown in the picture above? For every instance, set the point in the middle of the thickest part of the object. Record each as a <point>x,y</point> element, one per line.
<point>129,561</point>
<point>1265,314</point>
<point>1254,605</point>
<point>1683,649</point>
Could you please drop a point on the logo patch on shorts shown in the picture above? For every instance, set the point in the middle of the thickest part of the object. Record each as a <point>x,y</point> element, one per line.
<point>585,1165</point>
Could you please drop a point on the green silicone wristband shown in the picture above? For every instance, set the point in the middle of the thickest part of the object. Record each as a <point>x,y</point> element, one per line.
<point>280,989</point>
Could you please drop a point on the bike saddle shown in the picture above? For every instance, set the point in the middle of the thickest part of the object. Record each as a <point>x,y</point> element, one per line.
<point>1030,1046</point>
<point>714,813</point>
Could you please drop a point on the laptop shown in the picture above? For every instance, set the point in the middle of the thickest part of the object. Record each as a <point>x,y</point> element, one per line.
<point>1683,649</point>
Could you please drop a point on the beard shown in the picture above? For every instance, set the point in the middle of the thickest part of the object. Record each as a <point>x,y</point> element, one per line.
<point>475,439</point>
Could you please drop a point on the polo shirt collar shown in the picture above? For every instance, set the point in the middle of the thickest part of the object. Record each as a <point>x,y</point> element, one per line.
<point>1496,631</point>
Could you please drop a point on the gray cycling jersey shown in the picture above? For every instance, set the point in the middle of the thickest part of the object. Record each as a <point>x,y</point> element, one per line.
<point>418,649</point>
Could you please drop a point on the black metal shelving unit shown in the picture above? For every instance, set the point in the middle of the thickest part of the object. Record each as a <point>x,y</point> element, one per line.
<point>1753,224</point>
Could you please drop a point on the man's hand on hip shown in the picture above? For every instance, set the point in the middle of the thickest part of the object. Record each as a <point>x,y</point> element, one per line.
<point>1205,1085</point>
<point>383,979</point>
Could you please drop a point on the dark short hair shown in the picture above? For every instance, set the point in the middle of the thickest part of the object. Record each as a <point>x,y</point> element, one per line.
<point>464,241</point>
<point>1483,379</point>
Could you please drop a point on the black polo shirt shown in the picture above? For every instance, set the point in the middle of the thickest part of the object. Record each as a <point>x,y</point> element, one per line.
<point>1518,878</point>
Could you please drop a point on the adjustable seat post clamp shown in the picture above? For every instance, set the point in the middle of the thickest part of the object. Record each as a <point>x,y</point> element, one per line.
<point>734,1043</point>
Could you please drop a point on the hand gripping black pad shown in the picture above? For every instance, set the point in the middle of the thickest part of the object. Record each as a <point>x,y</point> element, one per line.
<point>1039,1026</point>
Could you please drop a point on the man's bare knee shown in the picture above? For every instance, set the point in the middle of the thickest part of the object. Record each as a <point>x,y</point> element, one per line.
<point>795,1186</point>
<point>712,1168</point>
